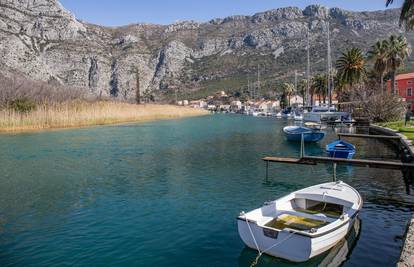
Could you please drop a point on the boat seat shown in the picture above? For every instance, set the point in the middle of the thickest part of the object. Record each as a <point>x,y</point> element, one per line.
<point>327,209</point>
<point>312,216</point>
<point>264,220</point>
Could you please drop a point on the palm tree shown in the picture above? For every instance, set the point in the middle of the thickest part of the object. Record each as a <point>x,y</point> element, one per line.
<point>378,54</point>
<point>398,51</point>
<point>303,84</point>
<point>351,67</point>
<point>288,90</point>
<point>407,13</point>
<point>319,83</point>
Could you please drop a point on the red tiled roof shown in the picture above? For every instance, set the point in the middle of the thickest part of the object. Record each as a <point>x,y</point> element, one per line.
<point>405,76</point>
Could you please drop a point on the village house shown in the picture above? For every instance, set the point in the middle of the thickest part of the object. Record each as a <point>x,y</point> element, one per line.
<point>404,87</point>
<point>236,105</point>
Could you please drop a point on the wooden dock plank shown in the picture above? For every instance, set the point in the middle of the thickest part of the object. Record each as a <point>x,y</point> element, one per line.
<point>311,160</point>
<point>288,160</point>
<point>371,136</point>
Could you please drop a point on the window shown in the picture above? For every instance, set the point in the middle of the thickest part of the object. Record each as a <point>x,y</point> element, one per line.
<point>410,82</point>
<point>409,91</point>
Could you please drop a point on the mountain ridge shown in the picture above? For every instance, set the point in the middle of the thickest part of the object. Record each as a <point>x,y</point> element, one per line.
<point>43,40</point>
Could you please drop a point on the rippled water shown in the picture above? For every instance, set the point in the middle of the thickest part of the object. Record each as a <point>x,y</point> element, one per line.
<point>167,194</point>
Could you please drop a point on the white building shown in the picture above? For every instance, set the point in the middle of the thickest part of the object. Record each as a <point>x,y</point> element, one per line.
<point>203,104</point>
<point>296,100</point>
<point>236,105</point>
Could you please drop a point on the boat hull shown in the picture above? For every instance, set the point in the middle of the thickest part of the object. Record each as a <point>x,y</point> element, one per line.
<point>307,137</point>
<point>341,154</point>
<point>292,246</point>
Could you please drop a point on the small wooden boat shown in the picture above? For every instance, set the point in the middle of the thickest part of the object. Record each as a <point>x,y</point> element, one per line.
<point>294,133</point>
<point>303,224</point>
<point>340,149</point>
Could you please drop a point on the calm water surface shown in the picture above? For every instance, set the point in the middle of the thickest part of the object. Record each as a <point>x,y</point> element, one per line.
<point>167,194</point>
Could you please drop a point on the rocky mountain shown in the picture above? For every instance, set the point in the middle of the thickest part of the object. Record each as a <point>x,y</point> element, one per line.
<point>46,42</point>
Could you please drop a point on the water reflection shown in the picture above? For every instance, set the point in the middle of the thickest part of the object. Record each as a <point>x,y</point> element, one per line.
<point>166,194</point>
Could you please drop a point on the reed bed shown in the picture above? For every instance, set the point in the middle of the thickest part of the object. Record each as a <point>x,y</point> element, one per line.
<point>81,114</point>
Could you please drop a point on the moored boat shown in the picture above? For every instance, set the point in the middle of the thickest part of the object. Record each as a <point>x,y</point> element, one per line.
<point>294,133</point>
<point>298,117</point>
<point>303,224</point>
<point>340,149</point>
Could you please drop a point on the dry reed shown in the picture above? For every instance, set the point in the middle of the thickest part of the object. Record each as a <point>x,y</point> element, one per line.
<point>81,114</point>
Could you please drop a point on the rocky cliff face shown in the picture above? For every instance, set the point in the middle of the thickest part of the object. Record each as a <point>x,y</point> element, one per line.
<point>46,42</point>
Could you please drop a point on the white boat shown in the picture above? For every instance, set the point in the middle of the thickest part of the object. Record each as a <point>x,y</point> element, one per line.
<point>298,117</point>
<point>285,115</point>
<point>303,224</point>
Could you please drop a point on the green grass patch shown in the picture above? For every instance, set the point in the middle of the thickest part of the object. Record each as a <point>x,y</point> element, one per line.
<point>407,130</point>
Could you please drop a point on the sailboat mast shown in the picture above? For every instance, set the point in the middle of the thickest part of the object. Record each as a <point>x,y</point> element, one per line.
<point>258,78</point>
<point>308,100</point>
<point>248,87</point>
<point>329,74</point>
<point>296,85</point>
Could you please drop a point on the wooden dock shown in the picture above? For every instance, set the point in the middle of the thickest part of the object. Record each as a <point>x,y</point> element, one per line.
<point>311,160</point>
<point>369,136</point>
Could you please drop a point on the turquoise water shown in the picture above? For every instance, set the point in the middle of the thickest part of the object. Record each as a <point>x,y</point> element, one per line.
<point>167,194</point>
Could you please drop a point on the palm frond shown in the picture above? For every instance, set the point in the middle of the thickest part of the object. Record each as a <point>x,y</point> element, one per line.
<point>389,2</point>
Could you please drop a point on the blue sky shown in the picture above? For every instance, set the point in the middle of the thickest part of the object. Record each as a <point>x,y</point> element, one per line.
<point>122,12</point>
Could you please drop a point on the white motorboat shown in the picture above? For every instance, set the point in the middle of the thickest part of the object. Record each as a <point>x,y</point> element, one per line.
<point>303,224</point>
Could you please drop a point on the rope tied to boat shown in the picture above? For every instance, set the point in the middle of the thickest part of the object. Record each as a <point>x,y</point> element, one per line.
<point>259,255</point>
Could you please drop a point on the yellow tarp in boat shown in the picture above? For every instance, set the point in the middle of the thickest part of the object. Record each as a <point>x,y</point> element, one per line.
<point>295,222</point>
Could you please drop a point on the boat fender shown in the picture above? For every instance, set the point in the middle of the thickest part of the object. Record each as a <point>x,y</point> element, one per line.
<point>342,217</point>
<point>242,213</point>
<point>313,230</point>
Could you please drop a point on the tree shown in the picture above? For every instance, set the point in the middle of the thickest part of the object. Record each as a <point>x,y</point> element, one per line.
<point>351,67</point>
<point>407,13</point>
<point>137,92</point>
<point>378,54</point>
<point>303,84</point>
<point>320,83</point>
<point>288,90</point>
<point>398,51</point>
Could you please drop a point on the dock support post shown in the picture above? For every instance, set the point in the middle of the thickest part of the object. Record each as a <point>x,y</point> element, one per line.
<point>302,147</point>
<point>267,170</point>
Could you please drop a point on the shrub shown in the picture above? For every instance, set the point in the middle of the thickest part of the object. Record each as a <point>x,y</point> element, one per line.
<point>22,105</point>
<point>378,106</point>
<point>21,94</point>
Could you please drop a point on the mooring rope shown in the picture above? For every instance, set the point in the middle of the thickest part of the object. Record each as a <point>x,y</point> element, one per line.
<point>254,263</point>
<point>251,232</point>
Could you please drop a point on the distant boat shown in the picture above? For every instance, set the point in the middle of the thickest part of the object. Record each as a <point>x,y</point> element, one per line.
<point>341,149</point>
<point>303,224</point>
<point>298,117</point>
<point>294,133</point>
<point>325,114</point>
